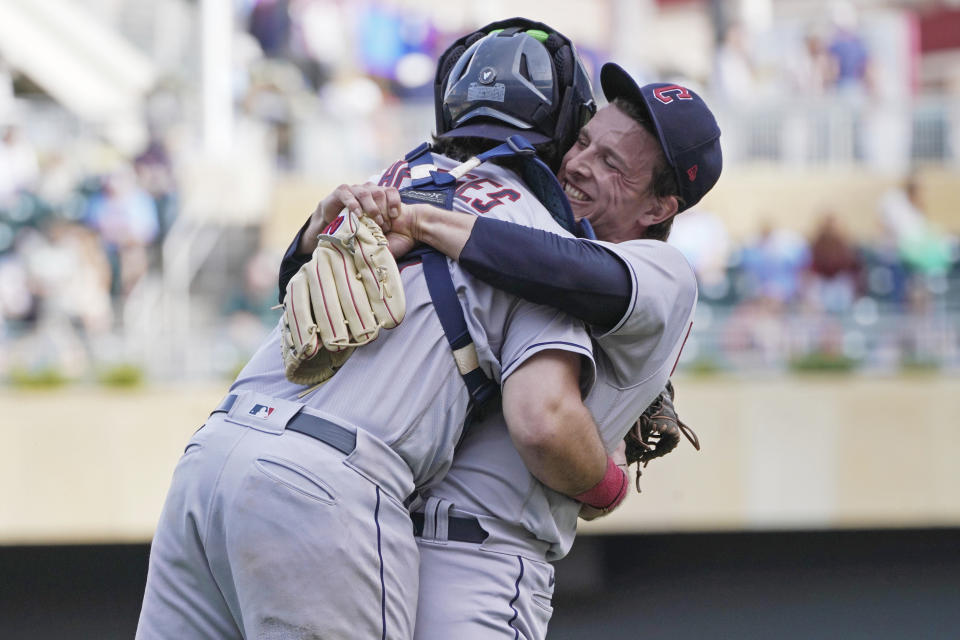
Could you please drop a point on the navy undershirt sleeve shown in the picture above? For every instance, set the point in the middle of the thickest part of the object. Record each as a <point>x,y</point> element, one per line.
<point>291,263</point>
<point>581,278</point>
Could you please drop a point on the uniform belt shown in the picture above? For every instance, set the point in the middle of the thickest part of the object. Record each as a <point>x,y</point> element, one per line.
<point>458,529</point>
<point>324,430</point>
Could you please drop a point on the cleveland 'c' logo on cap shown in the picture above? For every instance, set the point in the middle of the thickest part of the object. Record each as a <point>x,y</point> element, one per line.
<point>692,172</point>
<point>663,93</point>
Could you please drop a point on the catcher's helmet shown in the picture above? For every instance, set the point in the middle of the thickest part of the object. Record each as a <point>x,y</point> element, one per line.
<point>513,76</point>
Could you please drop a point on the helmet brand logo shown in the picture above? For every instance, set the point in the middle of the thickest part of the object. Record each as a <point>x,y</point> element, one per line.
<point>487,75</point>
<point>476,92</point>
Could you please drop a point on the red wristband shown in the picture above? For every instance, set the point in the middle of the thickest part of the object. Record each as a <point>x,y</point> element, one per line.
<point>609,492</point>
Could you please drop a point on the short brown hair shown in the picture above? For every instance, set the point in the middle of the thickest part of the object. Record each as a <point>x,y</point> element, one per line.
<point>663,182</point>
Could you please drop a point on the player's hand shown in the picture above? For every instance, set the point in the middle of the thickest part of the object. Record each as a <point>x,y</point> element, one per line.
<point>619,456</point>
<point>404,232</point>
<point>591,513</point>
<point>381,204</point>
<point>340,299</point>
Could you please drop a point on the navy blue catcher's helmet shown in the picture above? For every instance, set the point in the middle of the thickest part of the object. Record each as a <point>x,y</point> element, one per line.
<point>514,76</point>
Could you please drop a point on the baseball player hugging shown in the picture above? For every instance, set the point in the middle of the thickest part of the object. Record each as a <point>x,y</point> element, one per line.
<point>288,513</point>
<point>488,528</point>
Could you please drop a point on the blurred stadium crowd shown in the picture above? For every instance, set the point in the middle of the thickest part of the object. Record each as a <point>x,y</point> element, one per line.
<point>93,229</point>
<point>826,301</point>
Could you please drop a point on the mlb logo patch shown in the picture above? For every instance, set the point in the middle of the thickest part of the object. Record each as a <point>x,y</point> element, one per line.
<point>261,411</point>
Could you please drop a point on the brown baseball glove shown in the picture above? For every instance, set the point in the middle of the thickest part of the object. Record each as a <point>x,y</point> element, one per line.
<point>657,432</point>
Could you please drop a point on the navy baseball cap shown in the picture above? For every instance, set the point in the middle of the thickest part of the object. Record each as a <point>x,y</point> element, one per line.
<point>688,132</point>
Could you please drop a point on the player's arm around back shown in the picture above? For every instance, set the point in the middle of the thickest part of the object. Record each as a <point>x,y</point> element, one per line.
<point>551,428</point>
<point>530,263</point>
<point>583,279</point>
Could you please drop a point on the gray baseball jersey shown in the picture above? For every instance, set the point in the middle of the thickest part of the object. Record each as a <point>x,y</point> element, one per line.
<point>420,398</point>
<point>488,479</point>
<point>268,532</point>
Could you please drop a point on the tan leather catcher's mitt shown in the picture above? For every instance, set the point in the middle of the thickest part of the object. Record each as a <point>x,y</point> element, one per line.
<point>340,299</point>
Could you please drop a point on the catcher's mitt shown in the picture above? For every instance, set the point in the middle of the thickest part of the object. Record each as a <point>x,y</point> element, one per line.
<point>340,299</point>
<point>657,432</point>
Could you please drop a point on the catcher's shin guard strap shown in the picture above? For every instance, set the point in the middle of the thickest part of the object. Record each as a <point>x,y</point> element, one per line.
<point>610,491</point>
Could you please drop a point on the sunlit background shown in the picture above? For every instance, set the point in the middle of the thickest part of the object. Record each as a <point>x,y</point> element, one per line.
<point>157,157</point>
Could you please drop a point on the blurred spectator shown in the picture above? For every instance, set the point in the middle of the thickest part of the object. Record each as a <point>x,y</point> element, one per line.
<point>75,276</point>
<point>125,216</point>
<point>702,238</point>
<point>57,186</point>
<point>270,100</point>
<point>49,339</point>
<point>851,60</point>
<point>835,267</point>
<point>7,102</point>
<point>18,301</point>
<point>805,125</point>
<point>320,39</point>
<point>734,77</point>
<point>754,334</point>
<point>773,265</point>
<point>269,23</point>
<point>920,256</point>
<point>852,80</point>
<point>155,175</point>
<point>335,79</point>
<point>18,165</point>
<point>255,297</point>
<point>813,70</point>
<point>249,309</point>
<point>923,247</point>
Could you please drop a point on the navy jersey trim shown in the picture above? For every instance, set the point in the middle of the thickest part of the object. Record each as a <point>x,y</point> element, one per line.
<point>579,348</point>
<point>383,588</point>
<point>516,596</point>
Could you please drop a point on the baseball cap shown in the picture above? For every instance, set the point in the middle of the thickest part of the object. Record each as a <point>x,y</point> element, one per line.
<point>688,132</point>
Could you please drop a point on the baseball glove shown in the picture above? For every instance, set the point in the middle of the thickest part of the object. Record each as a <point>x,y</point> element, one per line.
<point>657,432</point>
<point>340,299</point>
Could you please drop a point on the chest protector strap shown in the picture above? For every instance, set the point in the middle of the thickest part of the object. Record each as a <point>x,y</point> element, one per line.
<point>428,185</point>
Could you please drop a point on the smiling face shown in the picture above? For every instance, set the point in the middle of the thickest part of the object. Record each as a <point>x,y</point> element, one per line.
<point>607,176</point>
